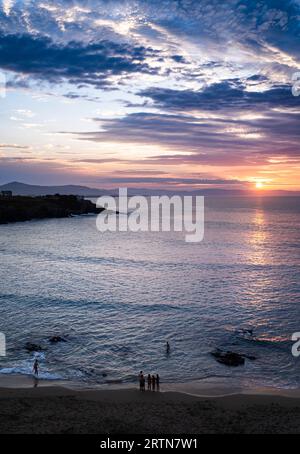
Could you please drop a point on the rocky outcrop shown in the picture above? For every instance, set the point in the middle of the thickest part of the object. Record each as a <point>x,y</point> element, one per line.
<point>30,347</point>
<point>56,339</point>
<point>19,208</point>
<point>230,358</point>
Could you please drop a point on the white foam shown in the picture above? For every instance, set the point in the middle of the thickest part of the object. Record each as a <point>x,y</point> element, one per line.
<point>25,368</point>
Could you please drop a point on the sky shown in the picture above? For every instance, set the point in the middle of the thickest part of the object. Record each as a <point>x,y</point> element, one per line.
<point>177,94</point>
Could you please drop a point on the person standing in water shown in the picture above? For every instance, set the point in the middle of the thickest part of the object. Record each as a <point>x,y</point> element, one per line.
<point>36,367</point>
<point>168,348</point>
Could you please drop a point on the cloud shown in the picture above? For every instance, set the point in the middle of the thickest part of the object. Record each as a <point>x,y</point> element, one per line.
<point>50,171</point>
<point>223,95</point>
<point>99,160</point>
<point>12,146</point>
<point>91,64</point>
<point>29,169</point>
<point>218,140</point>
<point>169,181</point>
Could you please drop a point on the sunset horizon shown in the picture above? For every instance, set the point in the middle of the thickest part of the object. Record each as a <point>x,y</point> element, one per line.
<point>150,95</point>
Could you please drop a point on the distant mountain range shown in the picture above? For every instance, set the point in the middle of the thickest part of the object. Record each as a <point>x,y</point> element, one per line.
<point>29,189</point>
<point>18,188</point>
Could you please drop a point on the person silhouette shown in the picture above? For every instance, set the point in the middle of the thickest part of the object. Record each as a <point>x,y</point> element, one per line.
<point>149,382</point>
<point>141,380</point>
<point>168,348</point>
<point>153,382</point>
<point>36,367</point>
<point>143,383</point>
<point>157,382</point>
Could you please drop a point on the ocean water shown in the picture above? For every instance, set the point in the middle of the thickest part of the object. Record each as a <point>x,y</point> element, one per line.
<point>118,297</point>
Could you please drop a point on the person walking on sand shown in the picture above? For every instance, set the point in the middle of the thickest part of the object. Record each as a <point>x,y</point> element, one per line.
<point>36,367</point>
<point>157,382</point>
<point>153,382</point>
<point>149,382</point>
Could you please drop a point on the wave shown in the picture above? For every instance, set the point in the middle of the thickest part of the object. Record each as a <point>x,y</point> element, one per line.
<point>19,370</point>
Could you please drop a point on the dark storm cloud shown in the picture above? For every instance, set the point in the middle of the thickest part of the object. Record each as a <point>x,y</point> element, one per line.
<point>75,62</point>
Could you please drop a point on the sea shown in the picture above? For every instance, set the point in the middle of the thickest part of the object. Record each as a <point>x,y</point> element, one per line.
<point>116,298</point>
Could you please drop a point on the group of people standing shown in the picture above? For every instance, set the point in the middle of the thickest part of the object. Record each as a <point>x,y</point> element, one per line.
<point>152,382</point>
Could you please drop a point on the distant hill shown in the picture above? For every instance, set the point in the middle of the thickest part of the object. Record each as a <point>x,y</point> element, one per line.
<point>34,190</point>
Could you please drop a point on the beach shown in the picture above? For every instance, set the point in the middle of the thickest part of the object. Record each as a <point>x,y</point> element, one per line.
<point>60,410</point>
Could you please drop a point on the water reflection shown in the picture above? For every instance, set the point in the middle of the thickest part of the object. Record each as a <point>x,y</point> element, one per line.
<point>258,238</point>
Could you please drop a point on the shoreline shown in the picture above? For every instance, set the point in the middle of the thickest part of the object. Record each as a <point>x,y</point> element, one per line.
<point>14,208</point>
<point>200,388</point>
<point>60,410</point>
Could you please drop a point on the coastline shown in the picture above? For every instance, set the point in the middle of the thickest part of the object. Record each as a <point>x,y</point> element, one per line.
<point>53,408</point>
<point>201,388</point>
<point>26,208</point>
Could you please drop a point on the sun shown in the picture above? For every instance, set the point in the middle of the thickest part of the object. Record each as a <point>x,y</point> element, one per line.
<point>259,185</point>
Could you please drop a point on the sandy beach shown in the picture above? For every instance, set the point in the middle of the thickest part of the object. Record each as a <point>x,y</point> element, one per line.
<point>60,410</point>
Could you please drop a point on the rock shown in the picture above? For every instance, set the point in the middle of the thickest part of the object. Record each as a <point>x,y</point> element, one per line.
<point>246,333</point>
<point>30,347</point>
<point>56,339</point>
<point>229,358</point>
<point>104,374</point>
<point>251,357</point>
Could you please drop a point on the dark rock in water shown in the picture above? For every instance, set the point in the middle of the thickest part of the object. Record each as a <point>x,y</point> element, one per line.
<point>229,358</point>
<point>30,347</point>
<point>104,374</point>
<point>251,357</point>
<point>56,339</point>
<point>245,333</point>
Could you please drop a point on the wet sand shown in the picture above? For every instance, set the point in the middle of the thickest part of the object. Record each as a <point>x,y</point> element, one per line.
<point>59,410</point>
